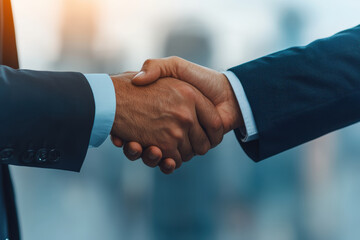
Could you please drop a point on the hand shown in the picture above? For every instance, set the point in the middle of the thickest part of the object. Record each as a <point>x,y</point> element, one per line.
<point>212,84</point>
<point>169,114</point>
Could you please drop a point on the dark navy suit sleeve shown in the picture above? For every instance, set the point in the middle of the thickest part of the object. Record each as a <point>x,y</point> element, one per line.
<point>302,93</point>
<point>45,118</point>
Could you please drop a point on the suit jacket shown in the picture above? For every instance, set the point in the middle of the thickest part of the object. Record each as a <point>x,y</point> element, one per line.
<point>302,93</point>
<point>45,121</point>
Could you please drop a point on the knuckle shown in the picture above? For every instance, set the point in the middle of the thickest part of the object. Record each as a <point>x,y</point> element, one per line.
<point>203,149</point>
<point>187,91</point>
<point>177,63</point>
<point>148,62</point>
<point>217,124</point>
<point>174,58</point>
<point>185,117</point>
<point>217,128</point>
<point>177,134</point>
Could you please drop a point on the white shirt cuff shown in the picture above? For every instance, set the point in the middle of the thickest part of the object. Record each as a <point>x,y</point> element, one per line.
<point>105,107</point>
<point>250,132</point>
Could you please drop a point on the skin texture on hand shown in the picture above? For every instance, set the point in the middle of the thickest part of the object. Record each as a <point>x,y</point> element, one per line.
<point>165,118</point>
<point>212,84</point>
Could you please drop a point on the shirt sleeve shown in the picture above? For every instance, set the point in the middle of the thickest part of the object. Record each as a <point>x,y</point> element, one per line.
<point>105,107</point>
<point>250,131</point>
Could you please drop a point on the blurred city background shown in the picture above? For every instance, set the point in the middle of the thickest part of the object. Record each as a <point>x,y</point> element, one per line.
<point>311,192</point>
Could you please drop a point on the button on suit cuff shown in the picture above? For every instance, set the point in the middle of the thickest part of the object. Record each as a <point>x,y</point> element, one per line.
<point>250,131</point>
<point>105,107</point>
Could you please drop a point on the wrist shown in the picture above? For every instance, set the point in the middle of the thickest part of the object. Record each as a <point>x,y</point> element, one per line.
<point>235,116</point>
<point>127,105</point>
<point>118,86</point>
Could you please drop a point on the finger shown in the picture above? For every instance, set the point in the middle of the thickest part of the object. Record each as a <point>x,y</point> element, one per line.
<point>167,165</point>
<point>176,156</point>
<point>117,141</point>
<point>202,78</point>
<point>153,69</point>
<point>133,150</point>
<point>198,139</point>
<point>186,150</point>
<point>209,119</point>
<point>152,156</point>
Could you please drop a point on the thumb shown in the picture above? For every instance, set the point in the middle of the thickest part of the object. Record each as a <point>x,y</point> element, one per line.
<point>153,69</point>
<point>150,72</point>
<point>144,78</point>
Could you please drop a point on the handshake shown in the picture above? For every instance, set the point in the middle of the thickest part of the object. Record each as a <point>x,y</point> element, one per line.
<point>171,111</point>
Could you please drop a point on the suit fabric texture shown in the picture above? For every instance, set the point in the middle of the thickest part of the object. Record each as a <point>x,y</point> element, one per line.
<point>46,120</point>
<point>302,93</point>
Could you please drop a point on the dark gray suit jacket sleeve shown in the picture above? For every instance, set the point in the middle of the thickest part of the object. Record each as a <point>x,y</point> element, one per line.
<point>302,93</point>
<point>46,118</point>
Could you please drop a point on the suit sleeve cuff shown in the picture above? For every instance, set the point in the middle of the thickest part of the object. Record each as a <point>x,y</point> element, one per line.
<point>105,107</point>
<point>250,132</point>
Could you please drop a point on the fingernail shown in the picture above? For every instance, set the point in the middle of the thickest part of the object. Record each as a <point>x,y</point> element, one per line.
<point>139,74</point>
<point>132,152</point>
<point>168,167</point>
<point>152,156</point>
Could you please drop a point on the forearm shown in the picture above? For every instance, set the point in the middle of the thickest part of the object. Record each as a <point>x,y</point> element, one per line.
<point>299,94</point>
<point>45,115</point>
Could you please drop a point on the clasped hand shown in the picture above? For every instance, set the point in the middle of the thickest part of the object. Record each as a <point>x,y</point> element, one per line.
<point>172,110</point>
